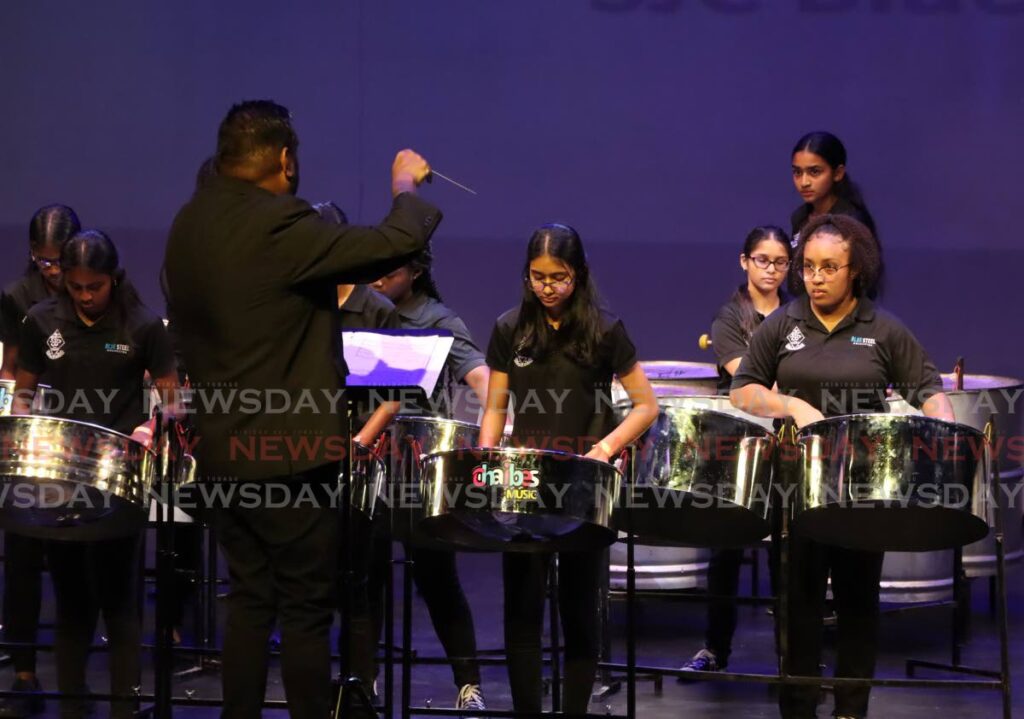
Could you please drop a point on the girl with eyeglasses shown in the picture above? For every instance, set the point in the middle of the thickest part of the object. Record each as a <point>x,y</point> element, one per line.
<point>832,352</point>
<point>559,342</point>
<point>765,259</point>
<point>418,303</point>
<point>49,229</point>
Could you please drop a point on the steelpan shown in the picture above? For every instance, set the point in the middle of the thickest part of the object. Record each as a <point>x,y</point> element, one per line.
<point>61,479</point>
<point>887,482</point>
<point>519,500</point>
<point>410,439</point>
<point>703,475</point>
<point>984,398</point>
<point>674,378</point>
<point>369,480</point>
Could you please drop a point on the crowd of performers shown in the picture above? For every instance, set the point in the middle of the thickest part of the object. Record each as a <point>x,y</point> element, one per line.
<point>258,284</point>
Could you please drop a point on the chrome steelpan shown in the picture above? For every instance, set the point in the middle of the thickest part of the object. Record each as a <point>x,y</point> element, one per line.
<point>703,475</point>
<point>410,439</point>
<point>61,479</point>
<point>369,480</point>
<point>984,398</point>
<point>670,378</point>
<point>519,500</point>
<point>886,482</point>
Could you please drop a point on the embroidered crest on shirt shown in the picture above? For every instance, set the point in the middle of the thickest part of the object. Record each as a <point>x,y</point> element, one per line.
<point>522,360</point>
<point>795,340</point>
<point>55,345</point>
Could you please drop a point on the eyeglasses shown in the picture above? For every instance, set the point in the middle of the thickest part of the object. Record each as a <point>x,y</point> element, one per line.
<point>827,271</point>
<point>556,285</point>
<point>44,263</point>
<point>762,261</point>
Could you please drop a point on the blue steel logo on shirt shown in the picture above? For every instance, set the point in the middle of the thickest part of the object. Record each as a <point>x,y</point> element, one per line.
<point>55,345</point>
<point>795,340</point>
<point>119,349</point>
<point>863,341</point>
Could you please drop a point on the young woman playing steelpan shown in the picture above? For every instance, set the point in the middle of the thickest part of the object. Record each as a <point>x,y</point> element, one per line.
<point>49,229</point>
<point>765,260</point>
<point>96,340</point>
<point>831,352</point>
<point>559,339</point>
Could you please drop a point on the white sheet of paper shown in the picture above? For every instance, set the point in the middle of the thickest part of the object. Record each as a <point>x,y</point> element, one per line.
<point>396,359</point>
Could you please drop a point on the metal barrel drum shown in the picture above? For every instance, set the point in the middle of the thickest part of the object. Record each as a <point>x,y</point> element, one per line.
<point>519,500</point>
<point>887,482</point>
<point>410,440</point>
<point>660,567</point>
<point>999,398</point>
<point>671,378</point>
<point>61,479</point>
<point>702,475</point>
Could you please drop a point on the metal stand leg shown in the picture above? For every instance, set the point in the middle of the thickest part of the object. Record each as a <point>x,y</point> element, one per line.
<point>556,657</point>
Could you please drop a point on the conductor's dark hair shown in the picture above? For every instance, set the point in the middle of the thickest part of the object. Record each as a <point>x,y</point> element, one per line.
<point>582,316</point>
<point>831,149</point>
<point>762,233</point>
<point>94,250</point>
<point>251,137</point>
<point>50,227</point>
<point>331,212</point>
<point>865,259</point>
<point>206,172</point>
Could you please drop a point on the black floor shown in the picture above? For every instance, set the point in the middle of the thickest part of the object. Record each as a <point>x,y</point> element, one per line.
<point>669,632</point>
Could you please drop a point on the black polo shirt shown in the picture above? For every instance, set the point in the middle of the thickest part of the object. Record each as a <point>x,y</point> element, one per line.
<point>802,214</point>
<point>15,302</point>
<point>845,371</point>
<point>729,339</point>
<point>557,402</point>
<point>96,371</point>
<point>423,312</point>
<point>367,309</point>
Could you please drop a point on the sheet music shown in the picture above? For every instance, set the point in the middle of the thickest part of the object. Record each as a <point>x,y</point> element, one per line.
<point>396,358</point>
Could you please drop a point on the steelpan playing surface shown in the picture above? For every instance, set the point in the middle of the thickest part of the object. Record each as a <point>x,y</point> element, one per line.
<point>68,480</point>
<point>885,482</point>
<point>703,475</point>
<point>519,500</point>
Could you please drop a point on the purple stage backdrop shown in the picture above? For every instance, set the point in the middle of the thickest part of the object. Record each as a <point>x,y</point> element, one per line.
<point>661,129</point>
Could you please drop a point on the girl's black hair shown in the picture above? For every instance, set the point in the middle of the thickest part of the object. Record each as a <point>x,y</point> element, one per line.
<point>865,258</point>
<point>424,283</point>
<point>582,317</point>
<point>94,250</point>
<point>51,226</point>
<point>748,315</point>
<point>829,148</point>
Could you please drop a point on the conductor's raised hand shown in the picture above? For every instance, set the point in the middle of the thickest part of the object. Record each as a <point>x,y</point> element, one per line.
<point>408,171</point>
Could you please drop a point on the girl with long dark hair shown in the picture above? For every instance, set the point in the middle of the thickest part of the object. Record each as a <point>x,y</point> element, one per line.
<point>765,260</point>
<point>94,342</point>
<point>823,181</point>
<point>559,339</point>
<point>419,306</point>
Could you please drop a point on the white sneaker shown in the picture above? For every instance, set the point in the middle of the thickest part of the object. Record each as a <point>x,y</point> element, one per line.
<point>470,697</point>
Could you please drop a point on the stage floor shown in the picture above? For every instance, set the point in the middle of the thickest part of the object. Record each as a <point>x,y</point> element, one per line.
<point>669,632</point>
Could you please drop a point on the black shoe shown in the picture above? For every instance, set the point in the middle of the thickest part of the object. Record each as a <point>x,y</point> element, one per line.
<point>27,706</point>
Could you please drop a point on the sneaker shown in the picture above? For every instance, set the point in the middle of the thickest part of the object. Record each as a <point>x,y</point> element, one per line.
<point>470,697</point>
<point>27,706</point>
<point>703,661</point>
